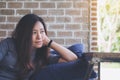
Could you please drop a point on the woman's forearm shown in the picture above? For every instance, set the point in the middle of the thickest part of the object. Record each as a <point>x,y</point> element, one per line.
<point>65,53</point>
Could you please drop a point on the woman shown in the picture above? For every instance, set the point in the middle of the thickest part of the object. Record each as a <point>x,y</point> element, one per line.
<point>26,54</point>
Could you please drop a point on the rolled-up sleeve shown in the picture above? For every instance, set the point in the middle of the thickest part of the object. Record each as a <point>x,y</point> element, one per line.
<point>3,48</point>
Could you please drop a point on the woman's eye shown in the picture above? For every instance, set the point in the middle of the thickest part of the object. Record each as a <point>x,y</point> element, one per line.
<point>34,32</point>
<point>42,31</point>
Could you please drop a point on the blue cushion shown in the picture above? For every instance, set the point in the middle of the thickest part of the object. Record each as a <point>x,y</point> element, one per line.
<point>76,48</point>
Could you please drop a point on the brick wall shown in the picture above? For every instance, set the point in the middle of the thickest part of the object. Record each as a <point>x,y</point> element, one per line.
<point>68,21</point>
<point>93,26</point>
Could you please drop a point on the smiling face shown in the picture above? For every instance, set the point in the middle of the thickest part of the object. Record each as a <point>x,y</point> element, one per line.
<point>38,35</point>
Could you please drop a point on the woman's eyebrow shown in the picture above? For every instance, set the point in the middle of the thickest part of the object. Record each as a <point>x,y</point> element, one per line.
<point>34,29</point>
<point>38,29</point>
<point>41,28</point>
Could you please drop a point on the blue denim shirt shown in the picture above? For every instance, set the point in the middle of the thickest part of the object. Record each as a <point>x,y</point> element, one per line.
<point>8,58</point>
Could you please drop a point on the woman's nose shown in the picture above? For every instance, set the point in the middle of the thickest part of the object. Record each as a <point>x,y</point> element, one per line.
<point>39,36</point>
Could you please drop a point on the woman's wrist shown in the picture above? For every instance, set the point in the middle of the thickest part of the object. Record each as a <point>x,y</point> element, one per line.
<point>49,44</point>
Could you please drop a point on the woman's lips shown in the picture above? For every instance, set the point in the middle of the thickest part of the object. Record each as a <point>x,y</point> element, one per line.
<point>38,42</point>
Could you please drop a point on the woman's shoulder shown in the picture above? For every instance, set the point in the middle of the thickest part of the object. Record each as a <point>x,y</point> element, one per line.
<point>7,42</point>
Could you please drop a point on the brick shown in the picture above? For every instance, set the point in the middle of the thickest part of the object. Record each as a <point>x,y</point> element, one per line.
<point>94,28</point>
<point>81,34</point>
<point>2,4</point>
<point>94,9</point>
<point>51,33</point>
<point>2,18</point>
<point>63,19</point>
<point>94,43</point>
<point>15,5</point>
<point>94,23</point>
<point>23,11</point>
<point>72,41</point>
<point>72,27</point>
<point>94,19</point>
<point>94,38</point>
<point>40,12</point>
<point>31,5</point>
<point>85,27</point>
<point>85,20</point>
<point>94,14</point>
<point>81,19</point>
<point>2,33</point>
<point>56,26</point>
<point>85,12</point>
<point>94,34</point>
<point>77,19</point>
<point>47,5</point>
<point>7,26</point>
<point>6,12</point>
<point>64,5</point>
<point>56,12</point>
<point>64,34</point>
<point>72,12</point>
<point>94,48</point>
<point>60,41</point>
<point>49,19</point>
<point>79,4</point>
<point>94,4</point>
<point>13,18</point>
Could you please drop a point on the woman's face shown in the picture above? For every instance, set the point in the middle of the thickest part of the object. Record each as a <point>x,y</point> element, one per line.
<point>38,35</point>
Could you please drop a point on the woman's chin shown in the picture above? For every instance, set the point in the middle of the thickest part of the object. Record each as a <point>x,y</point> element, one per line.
<point>38,46</point>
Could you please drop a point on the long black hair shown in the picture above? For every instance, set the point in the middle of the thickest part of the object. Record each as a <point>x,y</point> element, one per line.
<point>22,36</point>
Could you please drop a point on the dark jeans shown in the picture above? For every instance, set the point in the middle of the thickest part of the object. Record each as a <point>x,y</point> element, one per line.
<point>74,70</point>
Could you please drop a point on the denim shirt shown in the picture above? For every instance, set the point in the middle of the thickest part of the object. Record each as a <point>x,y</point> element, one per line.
<point>8,59</point>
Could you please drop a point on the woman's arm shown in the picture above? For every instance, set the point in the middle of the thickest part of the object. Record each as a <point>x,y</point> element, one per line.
<point>66,54</point>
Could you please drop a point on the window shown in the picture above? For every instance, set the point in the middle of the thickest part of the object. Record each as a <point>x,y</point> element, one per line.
<point>109,25</point>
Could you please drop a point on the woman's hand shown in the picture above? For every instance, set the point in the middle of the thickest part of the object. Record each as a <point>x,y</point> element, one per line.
<point>46,40</point>
<point>66,55</point>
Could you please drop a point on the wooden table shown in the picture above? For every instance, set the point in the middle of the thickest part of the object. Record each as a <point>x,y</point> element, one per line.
<point>97,57</point>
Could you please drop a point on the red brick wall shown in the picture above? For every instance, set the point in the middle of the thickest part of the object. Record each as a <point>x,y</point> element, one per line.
<point>93,26</point>
<point>68,21</point>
